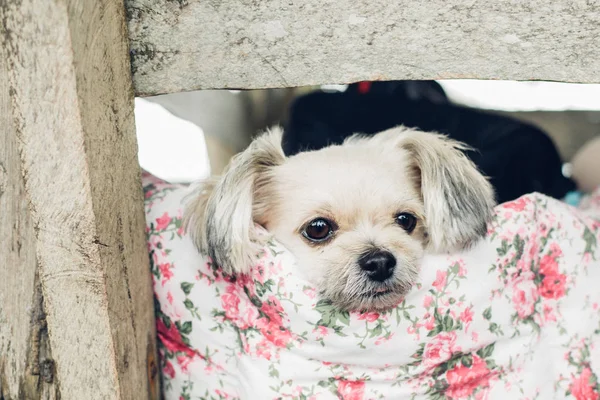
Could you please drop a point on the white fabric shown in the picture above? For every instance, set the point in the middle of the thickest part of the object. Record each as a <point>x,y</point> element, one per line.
<point>516,317</point>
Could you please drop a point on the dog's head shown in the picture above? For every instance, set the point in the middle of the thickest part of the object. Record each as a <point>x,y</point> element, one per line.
<point>358,216</point>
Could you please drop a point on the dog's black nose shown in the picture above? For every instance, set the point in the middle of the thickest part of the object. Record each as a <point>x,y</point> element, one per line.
<point>379,265</point>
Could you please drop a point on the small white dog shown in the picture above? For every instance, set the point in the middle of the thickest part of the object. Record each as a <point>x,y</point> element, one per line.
<point>357,216</point>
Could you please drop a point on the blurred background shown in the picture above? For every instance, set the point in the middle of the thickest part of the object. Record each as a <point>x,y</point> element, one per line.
<point>184,137</point>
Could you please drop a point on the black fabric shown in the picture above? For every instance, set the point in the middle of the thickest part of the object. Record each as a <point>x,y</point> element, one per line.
<point>519,158</point>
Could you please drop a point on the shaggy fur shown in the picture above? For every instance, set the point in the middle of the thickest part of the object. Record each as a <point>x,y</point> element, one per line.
<point>361,186</point>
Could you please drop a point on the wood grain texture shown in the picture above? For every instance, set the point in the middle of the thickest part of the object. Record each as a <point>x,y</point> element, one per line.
<point>72,112</point>
<point>26,367</point>
<point>181,45</point>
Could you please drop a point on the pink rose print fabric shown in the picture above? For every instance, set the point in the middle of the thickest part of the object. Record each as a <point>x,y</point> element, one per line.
<point>515,317</point>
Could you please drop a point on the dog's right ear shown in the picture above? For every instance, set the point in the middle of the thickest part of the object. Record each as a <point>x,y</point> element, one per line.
<point>220,215</point>
<point>458,199</point>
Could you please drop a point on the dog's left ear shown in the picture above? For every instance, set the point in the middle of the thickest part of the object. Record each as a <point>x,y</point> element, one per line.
<point>458,199</point>
<point>221,213</point>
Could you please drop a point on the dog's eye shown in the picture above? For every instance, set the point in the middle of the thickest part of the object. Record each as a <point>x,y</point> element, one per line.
<point>406,221</point>
<point>318,230</point>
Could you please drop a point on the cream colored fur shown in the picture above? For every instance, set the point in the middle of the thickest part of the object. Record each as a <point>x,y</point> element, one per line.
<point>361,185</point>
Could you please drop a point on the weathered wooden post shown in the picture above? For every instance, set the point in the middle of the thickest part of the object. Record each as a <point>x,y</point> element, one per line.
<point>76,315</point>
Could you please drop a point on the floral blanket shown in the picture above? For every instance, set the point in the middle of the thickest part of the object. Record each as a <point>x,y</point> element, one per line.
<point>516,317</point>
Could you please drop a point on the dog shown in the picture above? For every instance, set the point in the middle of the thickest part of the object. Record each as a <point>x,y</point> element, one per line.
<point>358,216</point>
